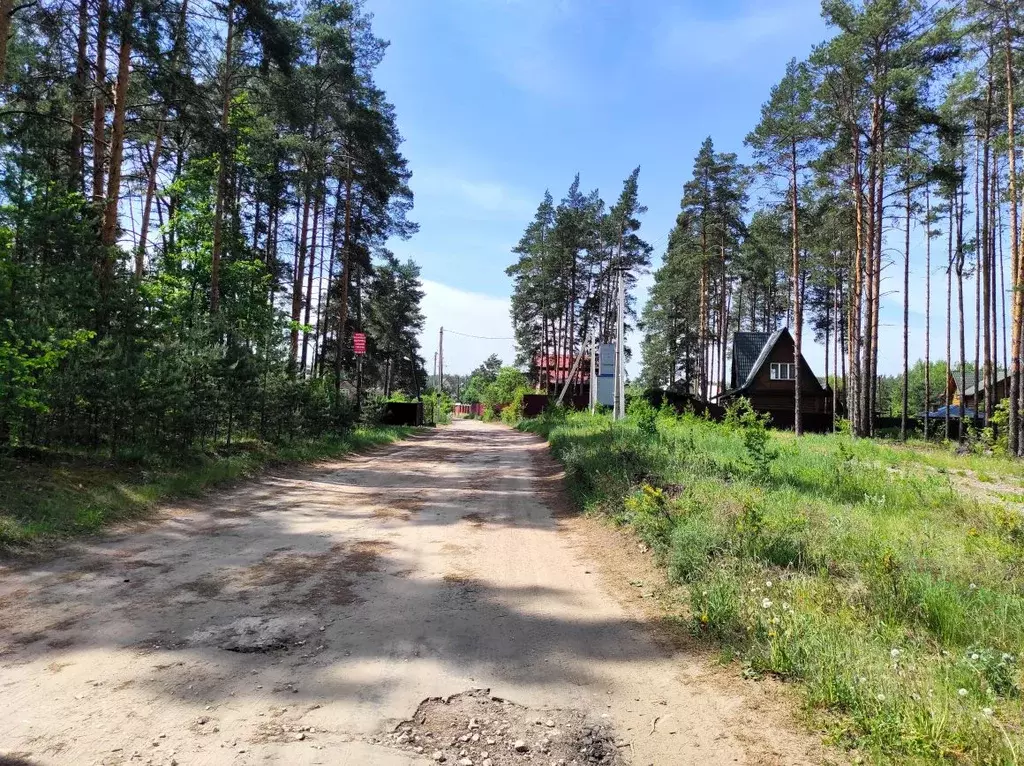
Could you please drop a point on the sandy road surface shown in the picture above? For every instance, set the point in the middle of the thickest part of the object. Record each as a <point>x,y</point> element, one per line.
<point>299,618</point>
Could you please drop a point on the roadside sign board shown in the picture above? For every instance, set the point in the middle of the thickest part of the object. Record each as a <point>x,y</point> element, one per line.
<point>359,343</point>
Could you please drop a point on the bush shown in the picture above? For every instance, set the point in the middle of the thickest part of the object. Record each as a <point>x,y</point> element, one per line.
<point>374,407</point>
<point>648,511</point>
<point>644,415</point>
<point>437,408</point>
<point>512,412</point>
<point>753,427</point>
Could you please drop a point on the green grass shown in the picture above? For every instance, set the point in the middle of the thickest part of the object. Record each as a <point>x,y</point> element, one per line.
<point>852,567</point>
<point>48,496</point>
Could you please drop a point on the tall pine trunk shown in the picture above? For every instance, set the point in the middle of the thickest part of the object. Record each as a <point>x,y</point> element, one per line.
<point>309,280</point>
<point>99,111</point>
<point>797,306</point>
<point>906,306</point>
<point>985,253</point>
<point>927,306</point>
<point>117,133</point>
<point>76,150</point>
<point>298,278</point>
<point>949,315</point>
<point>1015,256</point>
<point>224,157</point>
<point>345,281</point>
<point>6,17</point>
<point>960,305</point>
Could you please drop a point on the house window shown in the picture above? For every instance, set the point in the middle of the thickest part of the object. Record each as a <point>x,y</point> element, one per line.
<point>783,371</point>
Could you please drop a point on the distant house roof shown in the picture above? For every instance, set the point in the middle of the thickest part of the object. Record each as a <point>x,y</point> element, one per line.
<point>557,367</point>
<point>954,412</point>
<point>1001,375</point>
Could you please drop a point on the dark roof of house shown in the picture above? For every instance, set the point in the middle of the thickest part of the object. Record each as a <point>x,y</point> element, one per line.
<point>1001,375</point>
<point>746,348</point>
<point>750,350</point>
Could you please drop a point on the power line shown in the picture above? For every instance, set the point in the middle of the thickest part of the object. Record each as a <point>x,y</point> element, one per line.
<point>478,337</point>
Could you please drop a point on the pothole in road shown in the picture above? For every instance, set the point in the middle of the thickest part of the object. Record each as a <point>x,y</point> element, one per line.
<point>476,728</point>
<point>255,634</point>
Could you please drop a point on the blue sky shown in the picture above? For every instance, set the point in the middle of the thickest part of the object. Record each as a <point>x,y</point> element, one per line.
<point>499,100</point>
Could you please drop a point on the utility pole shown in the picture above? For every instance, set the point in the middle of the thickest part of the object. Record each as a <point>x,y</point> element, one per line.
<point>593,372</point>
<point>620,345</point>
<point>435,369</point>
<point>440,362</point>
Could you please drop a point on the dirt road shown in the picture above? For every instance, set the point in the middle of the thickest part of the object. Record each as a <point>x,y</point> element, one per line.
<point>301,618</point>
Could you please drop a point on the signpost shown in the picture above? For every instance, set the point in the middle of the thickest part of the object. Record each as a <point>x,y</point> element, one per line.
<point>359,349</point>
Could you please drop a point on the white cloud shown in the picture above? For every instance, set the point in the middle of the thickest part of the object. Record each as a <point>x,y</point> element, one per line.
<point>454,191</point>
<point>765,33</point>
<point>465,313</point>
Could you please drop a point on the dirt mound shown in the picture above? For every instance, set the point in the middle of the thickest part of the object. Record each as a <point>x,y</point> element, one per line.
<point>477,729</point>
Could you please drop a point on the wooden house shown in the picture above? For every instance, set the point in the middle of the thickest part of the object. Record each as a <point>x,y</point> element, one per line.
<point>975,399</point>
<point>763,371</point>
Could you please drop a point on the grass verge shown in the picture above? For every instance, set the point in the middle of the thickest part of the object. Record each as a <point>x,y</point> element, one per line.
<point>47,496</point>
<point>853,568</point>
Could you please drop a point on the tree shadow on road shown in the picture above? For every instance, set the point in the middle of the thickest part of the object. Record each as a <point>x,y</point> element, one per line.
<point>168,608</point>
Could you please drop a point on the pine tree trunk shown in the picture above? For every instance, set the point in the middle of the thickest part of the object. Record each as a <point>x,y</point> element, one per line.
<point>322,319</point>
<point>76,148</point>
<point>797,307</point>
<point>960,259</point>
<point>949,316</point>
<point>298,278</point>
<point>345,279</point>
<point>113,189</point>
<point>6,17</point>
<point>309,281</point>
<point>869,278</point>
<point>1015,256</point>
<point>147,203</point>
<point>993,285</point>
<point>927,306</point>
<point>877,301</point>
<point>724,328</point>
<point>222,165</point>
<point>906,307</point>
<point>978,258</point>
<point>985,256</point>
<point>99,113</point>
<point>701,333</point>
<point>853,322</point>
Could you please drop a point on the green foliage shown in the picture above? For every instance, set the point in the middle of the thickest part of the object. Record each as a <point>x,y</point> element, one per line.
<point>480,378</point>
<point>512,412</point>
<point>852,567</point>
<point>140,348</point>
<point>23,367</point>
<point>753,428</point>
<point>647,510</point>
<point>644,415</point>
<point>437,407</point>
<point>564,241</point>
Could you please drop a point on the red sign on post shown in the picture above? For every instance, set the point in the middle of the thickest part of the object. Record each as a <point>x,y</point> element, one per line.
<point>359,343</point>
